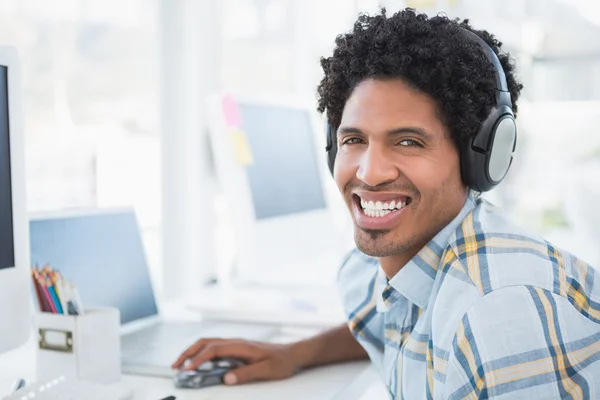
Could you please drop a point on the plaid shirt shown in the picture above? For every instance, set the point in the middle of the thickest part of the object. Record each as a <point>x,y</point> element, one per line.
<point>484,310</point>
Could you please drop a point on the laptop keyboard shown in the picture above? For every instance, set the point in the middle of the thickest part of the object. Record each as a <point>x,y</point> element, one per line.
<point>160,334</point>
<point>162,343</point>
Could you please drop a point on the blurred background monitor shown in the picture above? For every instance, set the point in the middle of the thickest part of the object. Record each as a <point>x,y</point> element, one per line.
<point>270,165</point>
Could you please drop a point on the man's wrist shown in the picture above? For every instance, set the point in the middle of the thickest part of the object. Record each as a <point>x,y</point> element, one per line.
<point>301,354</point>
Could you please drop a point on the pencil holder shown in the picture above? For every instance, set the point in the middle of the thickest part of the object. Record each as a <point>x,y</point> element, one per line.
<point>84,347</point>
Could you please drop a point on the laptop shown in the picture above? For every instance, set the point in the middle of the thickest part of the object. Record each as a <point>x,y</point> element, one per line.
<point>101,251</point>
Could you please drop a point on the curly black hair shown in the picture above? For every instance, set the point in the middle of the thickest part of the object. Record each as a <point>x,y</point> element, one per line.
<point>431,55</point>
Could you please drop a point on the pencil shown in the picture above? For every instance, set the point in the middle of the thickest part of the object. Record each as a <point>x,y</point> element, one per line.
<point>43,293</point>
<point>53,295</point>
<point>48,297</point>
<point>61,293</point>
<point>36,287</point>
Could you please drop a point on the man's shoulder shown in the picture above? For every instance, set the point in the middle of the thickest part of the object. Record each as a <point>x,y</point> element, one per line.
<point>492,252</point>
<point>487,221</point>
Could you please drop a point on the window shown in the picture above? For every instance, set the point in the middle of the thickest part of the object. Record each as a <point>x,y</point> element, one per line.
<point>90,103</point>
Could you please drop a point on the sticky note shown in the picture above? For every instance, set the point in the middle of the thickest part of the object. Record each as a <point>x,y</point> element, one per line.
<point>231,111</point>
<point>241,147</point>
<point>420,3</point>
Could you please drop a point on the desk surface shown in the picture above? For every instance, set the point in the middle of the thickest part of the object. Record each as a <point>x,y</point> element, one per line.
<point>355,380</point>
<point>328,382</point>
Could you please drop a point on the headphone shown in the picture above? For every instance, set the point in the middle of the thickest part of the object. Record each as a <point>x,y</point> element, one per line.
<point>486,157</point>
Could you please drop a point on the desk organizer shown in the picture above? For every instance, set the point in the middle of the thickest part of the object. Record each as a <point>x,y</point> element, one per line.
<point>84,347</point>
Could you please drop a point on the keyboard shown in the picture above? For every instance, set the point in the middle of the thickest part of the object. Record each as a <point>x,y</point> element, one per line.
<point>68,389</point>
<point>161,344</point>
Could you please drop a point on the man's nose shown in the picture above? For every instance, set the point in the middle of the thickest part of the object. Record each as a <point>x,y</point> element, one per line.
<point>376,168</point>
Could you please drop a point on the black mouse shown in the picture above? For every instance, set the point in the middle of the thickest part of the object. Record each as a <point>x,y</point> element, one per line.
<point>210,373</point>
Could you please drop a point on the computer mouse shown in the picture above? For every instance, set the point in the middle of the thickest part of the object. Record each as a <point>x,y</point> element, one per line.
<point>210,373</point>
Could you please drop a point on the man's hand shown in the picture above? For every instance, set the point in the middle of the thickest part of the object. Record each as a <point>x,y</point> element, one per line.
<point>265,361</point>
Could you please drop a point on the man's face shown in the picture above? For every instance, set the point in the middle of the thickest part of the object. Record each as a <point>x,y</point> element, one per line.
<point>397,167</point>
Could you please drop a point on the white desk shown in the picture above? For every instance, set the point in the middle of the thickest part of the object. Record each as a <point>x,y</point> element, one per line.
<point>355,380</point>
<point>330,382</point>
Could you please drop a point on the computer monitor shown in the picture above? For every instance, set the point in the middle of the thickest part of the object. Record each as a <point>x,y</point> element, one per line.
<point>268,152</point>
<point>14,238</point>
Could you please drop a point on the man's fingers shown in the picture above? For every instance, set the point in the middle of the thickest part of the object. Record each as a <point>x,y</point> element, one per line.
<point>193,350</point>
<point>262,370</point>
<point>239,350</point>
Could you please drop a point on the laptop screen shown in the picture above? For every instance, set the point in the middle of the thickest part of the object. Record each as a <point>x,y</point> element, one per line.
<point>103,254</point>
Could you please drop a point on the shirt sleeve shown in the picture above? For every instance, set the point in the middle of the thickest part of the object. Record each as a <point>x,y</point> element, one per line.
<point>524,342</point>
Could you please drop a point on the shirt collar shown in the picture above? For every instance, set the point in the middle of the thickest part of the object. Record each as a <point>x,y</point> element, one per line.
<point>415,280</point>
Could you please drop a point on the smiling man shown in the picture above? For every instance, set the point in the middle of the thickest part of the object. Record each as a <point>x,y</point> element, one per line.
<point>445,295</point>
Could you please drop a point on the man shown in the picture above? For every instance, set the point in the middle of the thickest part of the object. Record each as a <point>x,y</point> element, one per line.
<point>444,294</point>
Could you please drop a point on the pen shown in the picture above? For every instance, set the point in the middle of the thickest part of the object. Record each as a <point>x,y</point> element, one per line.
<point>19,384</point>
<point>76,299</point>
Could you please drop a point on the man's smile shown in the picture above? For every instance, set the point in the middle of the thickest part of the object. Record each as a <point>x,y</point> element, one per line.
<point>378,211</point>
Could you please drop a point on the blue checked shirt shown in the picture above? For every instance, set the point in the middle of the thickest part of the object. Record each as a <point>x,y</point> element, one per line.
<point>485,310</point>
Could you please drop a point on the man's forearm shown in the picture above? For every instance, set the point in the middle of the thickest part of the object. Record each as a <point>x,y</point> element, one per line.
<point>333,346</point>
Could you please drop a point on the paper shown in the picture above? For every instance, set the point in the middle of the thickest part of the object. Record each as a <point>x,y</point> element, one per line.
<point>241,147</point>
<point>231,111</point>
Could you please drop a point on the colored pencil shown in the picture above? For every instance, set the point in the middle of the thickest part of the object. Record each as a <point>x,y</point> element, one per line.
<point>38,293</point>
<point>53,295</point>
<point>44,293</point>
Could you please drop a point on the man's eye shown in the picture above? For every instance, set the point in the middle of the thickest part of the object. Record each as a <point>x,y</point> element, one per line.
<point>352,140</point>
<point>410,143</point>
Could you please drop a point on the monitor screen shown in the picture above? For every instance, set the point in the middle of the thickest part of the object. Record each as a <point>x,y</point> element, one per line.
<point>103,255</point>
<point>7,248</point>
<point>284,175</point>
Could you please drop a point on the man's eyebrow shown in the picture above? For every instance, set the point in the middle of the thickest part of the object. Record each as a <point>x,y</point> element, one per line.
<point>397,131</point>
<point>348,129</point>
<point>411,129</point>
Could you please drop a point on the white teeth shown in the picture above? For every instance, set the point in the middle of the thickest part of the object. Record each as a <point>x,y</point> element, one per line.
<point>380,209</point>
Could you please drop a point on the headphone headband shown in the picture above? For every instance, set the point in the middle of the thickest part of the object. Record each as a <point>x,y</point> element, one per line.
<point>501,84</point>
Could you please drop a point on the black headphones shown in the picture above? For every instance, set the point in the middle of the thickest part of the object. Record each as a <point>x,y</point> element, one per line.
<point>486,158</point>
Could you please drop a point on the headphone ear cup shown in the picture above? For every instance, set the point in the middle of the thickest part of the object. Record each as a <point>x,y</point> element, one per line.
<point>331,148</point>
<point>487,157</point>
<point>473,168</point>
<point>501,149</point>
